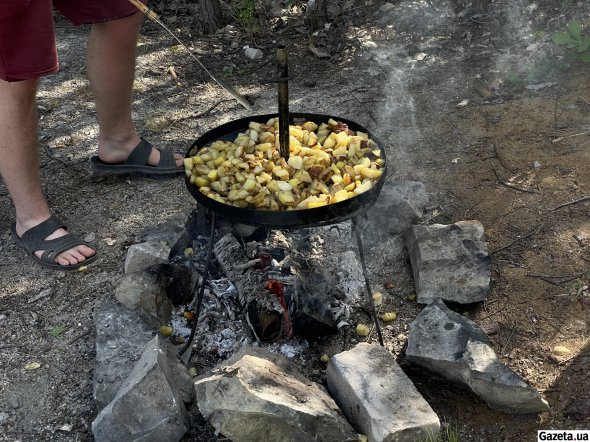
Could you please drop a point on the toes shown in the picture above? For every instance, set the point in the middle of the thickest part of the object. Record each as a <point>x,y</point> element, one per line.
<point>75,256</point>
<point>179,160</point>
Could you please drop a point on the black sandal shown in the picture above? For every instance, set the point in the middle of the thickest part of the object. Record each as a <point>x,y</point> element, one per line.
<point>137,162</point>
<point>34,240</point>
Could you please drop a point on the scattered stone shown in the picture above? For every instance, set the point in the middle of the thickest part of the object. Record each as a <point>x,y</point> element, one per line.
<point>147,291</point>
<point>143,255</point>
<point>257,393</point>
<point>147,407</point>
<point>450,262</point>
<point>253,53</point>
<point>463,103</point>
<point>90,237</point>
<point>537,87</point>
<point>454,347</point>
<point>377,397</point>
<point>3,418</point>
<point>536,165</point>
<point>121,335</point>
<point>560,350</point>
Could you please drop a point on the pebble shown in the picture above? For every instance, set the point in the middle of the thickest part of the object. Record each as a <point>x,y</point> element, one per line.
<point>560,350</point>
<point>13,402</point>
<point>90,237</point>
<point>3,418</point>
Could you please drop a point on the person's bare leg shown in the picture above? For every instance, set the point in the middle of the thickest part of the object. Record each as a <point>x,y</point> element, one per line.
<point>111,70</point>
<point>19,163</point>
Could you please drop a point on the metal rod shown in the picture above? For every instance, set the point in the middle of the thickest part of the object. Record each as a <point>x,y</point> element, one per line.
<point>199,297</point>
<point>283,75</point>
<point>368,285</point>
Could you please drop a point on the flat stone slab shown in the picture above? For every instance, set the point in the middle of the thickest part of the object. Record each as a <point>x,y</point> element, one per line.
<point>147,407</point>
<point>121,335</point>
<point>450,262</point>
<point>377,397</point>
<point>252,398</point>
<point>454,347</point>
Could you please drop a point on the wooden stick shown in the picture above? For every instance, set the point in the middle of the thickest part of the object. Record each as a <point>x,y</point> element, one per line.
<point>512,186</point>
<point>579,200</point>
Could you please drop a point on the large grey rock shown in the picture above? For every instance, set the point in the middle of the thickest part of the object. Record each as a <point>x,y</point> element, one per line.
<point>399,205</point>
<point>253,398</point>
<point>143,255</point>
<point>454,347</point>
<point>148,407</point>
<point>146,292</point>
<point>121,335</point>
<point>377,397</point>
<point>450,262</point>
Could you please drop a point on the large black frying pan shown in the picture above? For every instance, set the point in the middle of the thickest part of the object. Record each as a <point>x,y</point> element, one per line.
<point>329,214</point>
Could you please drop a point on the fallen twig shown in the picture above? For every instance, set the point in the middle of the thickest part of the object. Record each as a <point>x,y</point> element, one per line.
<point>550,278</point>
<point>508,341</point>
<point>532,232</point>
<point>570,136</point>
<point>79,336</point>
<point>579,200</point>
<point>511,185</point>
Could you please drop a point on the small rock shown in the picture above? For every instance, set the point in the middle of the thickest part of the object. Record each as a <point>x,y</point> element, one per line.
<point>536,165</point>
<point>560,350</point>
<point>3,418</point>
<point>90,237</point>
<point>536,87</point>
<point>419,56</point>
<point>253,53</point>
<point>143,255</point>
<point>13,402</point>
<point>463,103</point>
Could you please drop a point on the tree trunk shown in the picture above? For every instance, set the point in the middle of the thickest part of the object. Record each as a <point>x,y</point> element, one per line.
<point>211,15</point>
<point>318,16</point>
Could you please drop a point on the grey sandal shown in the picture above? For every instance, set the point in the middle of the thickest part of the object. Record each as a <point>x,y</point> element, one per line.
<point>137,162</point>
<point>34,239</point>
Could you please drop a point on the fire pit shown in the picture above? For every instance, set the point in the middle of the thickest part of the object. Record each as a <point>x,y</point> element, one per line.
<point>347,209</point>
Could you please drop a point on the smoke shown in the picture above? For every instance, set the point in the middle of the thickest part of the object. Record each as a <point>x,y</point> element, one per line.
<point>436,52</point>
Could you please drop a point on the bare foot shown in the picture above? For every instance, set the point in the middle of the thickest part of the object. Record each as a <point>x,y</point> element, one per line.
<point>116,152</point>
<point>72,256</point>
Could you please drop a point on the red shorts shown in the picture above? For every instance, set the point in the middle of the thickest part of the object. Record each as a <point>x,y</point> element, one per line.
<point>27,39</point>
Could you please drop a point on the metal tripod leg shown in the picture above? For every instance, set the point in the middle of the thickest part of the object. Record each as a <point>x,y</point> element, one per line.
<point>198,297</point>
<point>371,301</point>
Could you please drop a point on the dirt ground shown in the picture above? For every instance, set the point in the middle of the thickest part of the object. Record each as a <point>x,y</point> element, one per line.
<point>443,87</point>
